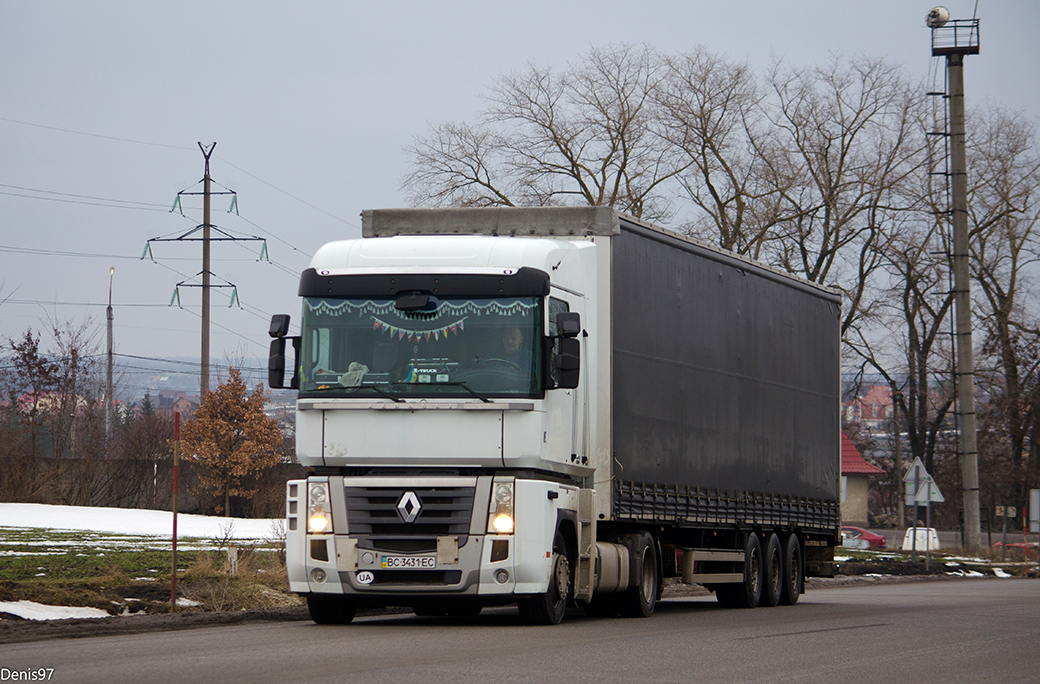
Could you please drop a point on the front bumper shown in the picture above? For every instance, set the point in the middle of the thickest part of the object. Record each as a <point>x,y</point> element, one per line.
<point>372,554</point>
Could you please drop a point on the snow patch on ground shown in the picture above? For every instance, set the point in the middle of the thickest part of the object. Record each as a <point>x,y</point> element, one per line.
<point>132,521</point>
<point>30,610</point>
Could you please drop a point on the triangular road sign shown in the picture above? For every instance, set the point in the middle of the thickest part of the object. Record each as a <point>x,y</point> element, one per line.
<point>920,473</point>
<point>929,492</point>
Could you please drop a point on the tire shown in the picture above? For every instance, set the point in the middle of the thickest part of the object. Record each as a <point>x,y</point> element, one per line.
<point>548,608</point>
<point>772,572</point>
<point>747,593</point>
<point>639,601</point>
<point>794,573</point>
<point>330,609</point>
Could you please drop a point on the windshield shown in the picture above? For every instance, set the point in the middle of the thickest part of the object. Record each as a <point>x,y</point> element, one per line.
<point>450,347</point>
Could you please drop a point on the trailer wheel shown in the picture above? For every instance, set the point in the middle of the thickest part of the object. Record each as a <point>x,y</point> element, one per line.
<point>548,608</point>
<point>326,609</point>
<point>640,600</point>
<point>747,593</point>
<point>773,572</point>
<point>794,579</point>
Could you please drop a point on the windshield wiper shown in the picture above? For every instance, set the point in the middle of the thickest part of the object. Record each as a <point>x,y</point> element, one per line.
<point>463,385</point>
<point>466,387</point>
<point>381,392</point>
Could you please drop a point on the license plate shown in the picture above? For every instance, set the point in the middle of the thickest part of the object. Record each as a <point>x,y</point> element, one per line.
<point>409,562</point>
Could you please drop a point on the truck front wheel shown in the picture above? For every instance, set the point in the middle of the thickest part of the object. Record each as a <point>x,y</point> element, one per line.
<point>548,608</point>
<point>326,609</point>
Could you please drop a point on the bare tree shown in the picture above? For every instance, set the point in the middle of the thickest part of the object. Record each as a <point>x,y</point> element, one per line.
<point>1004,212</point>
<point>589,135</point>
<point>711,114</point>
<point>458,165</point>
<point>844,138</point>
<point>909,348</point>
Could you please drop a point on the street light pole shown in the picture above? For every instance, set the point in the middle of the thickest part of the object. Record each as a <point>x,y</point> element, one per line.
<point>954,40</point>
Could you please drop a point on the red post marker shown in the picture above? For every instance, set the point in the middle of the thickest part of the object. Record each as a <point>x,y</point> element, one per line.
<point>176,477</point>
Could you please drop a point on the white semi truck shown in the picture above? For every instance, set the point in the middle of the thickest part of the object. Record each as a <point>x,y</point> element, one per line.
<point>555,406</point>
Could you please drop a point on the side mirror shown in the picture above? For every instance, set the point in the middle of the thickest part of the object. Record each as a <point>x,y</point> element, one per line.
<point>276,359</point>
<point>568,363</point>
<point>568,324</point>
<point>276,364</point>
<point>279,325</point>
<point>566,351</point>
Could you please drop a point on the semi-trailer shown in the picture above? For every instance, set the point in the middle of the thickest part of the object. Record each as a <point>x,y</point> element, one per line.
<point>555,406</point>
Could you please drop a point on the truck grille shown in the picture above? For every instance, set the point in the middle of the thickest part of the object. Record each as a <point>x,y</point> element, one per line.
<point>373,517</point>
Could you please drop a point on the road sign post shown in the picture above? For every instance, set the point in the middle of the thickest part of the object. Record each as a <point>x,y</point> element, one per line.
<point>921,489</point>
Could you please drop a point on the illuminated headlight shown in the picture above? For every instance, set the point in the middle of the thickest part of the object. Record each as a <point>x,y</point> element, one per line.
<point>319,518</point>
<point>503,523</point>
<point>500,514</point>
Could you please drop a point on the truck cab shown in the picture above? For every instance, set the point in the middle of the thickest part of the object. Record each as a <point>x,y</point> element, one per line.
<point>438,383</point>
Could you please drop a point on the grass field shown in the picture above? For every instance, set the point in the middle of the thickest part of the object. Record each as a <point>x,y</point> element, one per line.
<point>130,573</point>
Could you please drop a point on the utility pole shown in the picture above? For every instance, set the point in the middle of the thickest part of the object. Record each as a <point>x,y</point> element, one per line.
<point>207,238</point>
<point>206,182</point>
<point>108,370</point>
<point>954,40</point>
<point>898,456</point>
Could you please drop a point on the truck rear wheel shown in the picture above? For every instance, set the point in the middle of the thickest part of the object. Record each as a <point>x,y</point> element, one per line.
<point>773,572</point>
<point>548,608</point>
<point>792,586</point>
<point>328,609</point>
<point>639,600</point>
<point>747,593</point>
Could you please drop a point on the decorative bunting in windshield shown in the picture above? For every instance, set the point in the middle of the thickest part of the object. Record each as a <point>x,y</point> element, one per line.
<point>418,335</point>
<point>499,307</point>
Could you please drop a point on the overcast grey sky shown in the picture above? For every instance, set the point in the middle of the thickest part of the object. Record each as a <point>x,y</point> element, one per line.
<point>310,104</point>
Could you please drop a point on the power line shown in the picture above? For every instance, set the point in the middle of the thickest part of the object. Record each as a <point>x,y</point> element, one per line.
<point>178,147</point>
<point>288,194</point>
<point>94,135</point>
<point>89,204</point>
<point>90,197</point>
<point>80,304</point>
<point>93,255</point>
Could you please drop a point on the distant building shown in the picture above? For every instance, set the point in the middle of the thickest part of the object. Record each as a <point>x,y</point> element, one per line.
<point>872,409</point>
<point>168,404</point>
<point>184,406</point>
<point>855,485</point>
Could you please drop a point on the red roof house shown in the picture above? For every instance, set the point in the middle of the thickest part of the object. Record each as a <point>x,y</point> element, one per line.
<point>854,484</point>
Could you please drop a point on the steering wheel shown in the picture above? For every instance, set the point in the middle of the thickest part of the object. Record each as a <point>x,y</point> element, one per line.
<point>505,362</point>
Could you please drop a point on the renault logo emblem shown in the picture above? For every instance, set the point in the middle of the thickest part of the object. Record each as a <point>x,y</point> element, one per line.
<point>408,507</point>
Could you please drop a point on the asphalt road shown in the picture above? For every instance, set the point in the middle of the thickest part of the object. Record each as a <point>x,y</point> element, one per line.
<point>956,631</point>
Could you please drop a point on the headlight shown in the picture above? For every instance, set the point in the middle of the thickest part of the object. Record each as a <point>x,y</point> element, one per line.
<point>503,523</point>
<point>500,513</point>
<point>319,517</point>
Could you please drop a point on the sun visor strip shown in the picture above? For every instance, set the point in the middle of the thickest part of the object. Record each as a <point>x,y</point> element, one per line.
<point>525,282</point>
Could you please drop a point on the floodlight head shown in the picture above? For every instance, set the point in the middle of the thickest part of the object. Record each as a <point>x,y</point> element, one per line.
<point>936,17</point>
